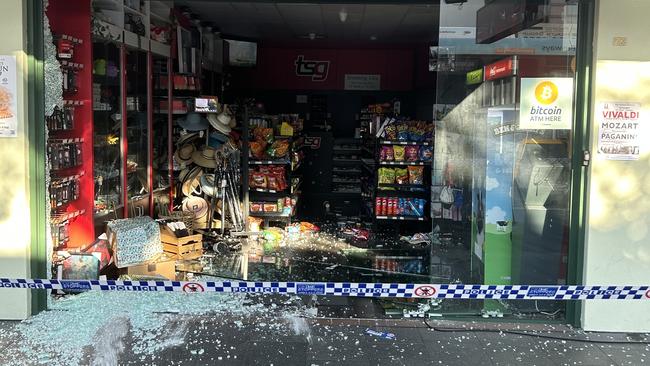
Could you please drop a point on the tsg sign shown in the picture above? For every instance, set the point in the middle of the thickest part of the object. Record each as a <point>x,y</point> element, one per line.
<point>316,70</point>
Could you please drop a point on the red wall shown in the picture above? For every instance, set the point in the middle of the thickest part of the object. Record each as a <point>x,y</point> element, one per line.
<point>72,17</point>
<point>276,68</point>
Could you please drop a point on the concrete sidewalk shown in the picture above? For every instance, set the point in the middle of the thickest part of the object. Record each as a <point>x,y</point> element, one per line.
<point>114,328</point>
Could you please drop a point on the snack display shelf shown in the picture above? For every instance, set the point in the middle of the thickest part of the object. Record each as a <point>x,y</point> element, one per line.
<point>269,162</point>
<point>400,218</point>
<point>58,218</point>
<point>404,163</point>
<point>398,142</point>
<point>405,186</point>
<point>262,190</point>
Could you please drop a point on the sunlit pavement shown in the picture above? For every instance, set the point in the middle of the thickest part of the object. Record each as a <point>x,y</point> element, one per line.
<point>180,329</point>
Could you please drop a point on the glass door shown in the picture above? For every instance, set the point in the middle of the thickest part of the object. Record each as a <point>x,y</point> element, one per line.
<point>137,132</point>
<point>107,138</point>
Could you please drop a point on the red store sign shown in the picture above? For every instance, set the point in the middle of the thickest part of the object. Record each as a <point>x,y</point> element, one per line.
<point>501,69</point>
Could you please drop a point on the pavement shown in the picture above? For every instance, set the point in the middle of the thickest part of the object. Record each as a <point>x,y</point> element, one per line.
<point>162,329</point>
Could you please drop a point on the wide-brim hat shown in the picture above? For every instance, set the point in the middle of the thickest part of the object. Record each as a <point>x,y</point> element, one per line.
<point>220,122</point>
<point>216,139</point>
<point>196,205</point>
<point>193,122</point>
<point>192,181</point>
<point>209,186</point>
<point>233,123</point>
<point>183,154</point>
<point>187,137</point>
<point>205,157</point>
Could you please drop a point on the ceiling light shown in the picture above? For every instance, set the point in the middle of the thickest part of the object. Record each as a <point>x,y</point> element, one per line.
<point>312,36</point>
<point>373,38</point>
<point>343,15</point>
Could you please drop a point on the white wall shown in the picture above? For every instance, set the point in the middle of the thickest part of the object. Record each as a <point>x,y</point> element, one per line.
<point>618,227</point>
<point>14,185</point>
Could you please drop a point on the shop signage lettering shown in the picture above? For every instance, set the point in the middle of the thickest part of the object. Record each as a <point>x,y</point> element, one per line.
<point>619,137</point>
<point>505,129</point>
<point>542,291</point>
<point>313,142</point>
<point>310,289</point>
<point>316,70</point>
<point>546,104</point>
<point>362,82</point>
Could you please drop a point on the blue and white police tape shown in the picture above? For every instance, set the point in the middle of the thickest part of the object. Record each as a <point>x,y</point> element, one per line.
<point>402,290</point>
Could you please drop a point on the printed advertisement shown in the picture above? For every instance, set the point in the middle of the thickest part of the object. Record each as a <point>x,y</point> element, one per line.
<point>619,135</point>
<point>546,104</point>
<point>8,102</point>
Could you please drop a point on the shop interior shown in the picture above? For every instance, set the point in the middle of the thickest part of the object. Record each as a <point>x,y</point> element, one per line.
<point>281,142</point>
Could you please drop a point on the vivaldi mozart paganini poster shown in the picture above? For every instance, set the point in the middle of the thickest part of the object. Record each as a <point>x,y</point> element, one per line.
<point>8,102</point>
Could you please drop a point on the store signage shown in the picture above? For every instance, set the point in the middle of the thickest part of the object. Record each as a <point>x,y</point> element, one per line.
<point>316,70</point>
<point>474,77</point>
<point>313,142</point>
<point>501,69</point>
<point>362,82</point>
<point>619,135</point>
<point>546,104</point>
<point>8,96</point>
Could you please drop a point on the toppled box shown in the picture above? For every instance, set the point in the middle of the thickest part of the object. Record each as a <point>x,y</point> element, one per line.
<point>134,241</point>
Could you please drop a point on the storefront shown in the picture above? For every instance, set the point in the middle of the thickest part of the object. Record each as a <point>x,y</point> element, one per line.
<point>428,142</point>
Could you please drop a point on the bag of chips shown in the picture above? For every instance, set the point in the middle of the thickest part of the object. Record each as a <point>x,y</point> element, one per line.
<point>416,174</point>
<point>259,180</point>
<point>411,153</point>
<point>401,176</point>
<point>399,153</point>
<point>387,153</point>
<point>257,149</point>
<point>390,132</point>
<point>426,153</point>
<point>386,175</point>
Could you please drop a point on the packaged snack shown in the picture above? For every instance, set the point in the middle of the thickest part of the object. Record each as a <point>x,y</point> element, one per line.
<point>387,153</point>
<point>401,176</point>
<point>399,153</point>
<point>378,206</point>
<point>426,153</point>
<point>257,149</point>
<point>390,132</point>
<point>259,180</point>
<point>280,204</point>
<point>384,206</point>
<point>270,207</point>
<point>416,174</point>
<point>263,134</point>
<point>281,148</point>
<point>256,207</point>
<point>411,153</point>
<point>386,175</point>
<point>273,182</point>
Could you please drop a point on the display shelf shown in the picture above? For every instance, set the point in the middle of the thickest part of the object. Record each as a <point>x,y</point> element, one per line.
<point>262,190</point>
<point>346,161</point>
<point>398,142</point>
<point>404,163</point>
<point>73,103</point>
<point>69,178</point>
<point>269,214</point>
<point>346,171</point>
<point>400,218</point>
<point>59,218</point>
<point>71,65</point>
<point>65,141</point>
<point>406,186</point>
<point>269,162</point>
<point>345,181</point>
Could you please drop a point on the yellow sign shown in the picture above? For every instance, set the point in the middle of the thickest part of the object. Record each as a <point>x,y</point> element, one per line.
<point>546,92</point>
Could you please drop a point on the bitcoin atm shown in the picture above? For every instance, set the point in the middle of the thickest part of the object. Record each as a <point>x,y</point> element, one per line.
<point>521,173</point>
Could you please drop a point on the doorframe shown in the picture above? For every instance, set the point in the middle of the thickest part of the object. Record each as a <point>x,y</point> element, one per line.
<point>33,11</point>
<point>582,126</point>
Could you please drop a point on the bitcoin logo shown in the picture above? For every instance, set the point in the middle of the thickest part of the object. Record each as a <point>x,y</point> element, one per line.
<point>546,92</point>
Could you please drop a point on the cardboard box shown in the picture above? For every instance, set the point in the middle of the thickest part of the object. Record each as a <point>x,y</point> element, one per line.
<point>187,247</point>
<point>165,267</point>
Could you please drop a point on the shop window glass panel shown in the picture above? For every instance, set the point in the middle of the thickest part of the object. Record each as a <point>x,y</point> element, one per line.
<point>160,158</point>
<point>137,158</point>
<point>503,144</point>
<point>107,139</point>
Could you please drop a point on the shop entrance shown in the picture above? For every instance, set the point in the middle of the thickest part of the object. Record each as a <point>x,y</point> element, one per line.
<point>418,142</point>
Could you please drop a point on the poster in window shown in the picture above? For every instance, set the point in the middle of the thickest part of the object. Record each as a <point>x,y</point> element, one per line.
<point>8,95</point>
<point>619,134</point>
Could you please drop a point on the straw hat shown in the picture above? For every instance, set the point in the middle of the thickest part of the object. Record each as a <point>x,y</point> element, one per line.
<point>192,181</point>
<point>205,157</point>
<point>209,186</point>
<point>220,122</point>
<point>193,122</point>
<point>196,205</point>
<point>216,139</point>
<point>183,154</point>
<point>187,137</point>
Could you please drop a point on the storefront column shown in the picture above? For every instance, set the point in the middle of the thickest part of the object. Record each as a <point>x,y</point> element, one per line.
<point>16,232</point>
<point>617,247</point>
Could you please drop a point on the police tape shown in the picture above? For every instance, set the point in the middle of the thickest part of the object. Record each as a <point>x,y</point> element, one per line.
<point>399,290</point>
